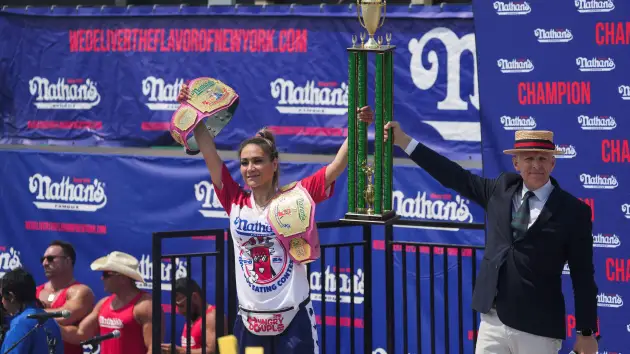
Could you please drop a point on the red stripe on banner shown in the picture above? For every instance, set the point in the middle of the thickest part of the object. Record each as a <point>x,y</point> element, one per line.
<point>65,227</point>
<point>343,321</point>
<point>380,246</point>
<point>308,131</point>
<point>153,126</point>
<point>211,237</point>
<point>64,125</point>
<point>535,145</point>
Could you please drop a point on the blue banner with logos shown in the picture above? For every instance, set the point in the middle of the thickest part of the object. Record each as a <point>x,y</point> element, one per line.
<point>110,76</point>
<point>570,74</point>
<point>102,203</point>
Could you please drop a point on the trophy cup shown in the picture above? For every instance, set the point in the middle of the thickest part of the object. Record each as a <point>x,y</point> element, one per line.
<point>367,201</point>
<point>211,102</point>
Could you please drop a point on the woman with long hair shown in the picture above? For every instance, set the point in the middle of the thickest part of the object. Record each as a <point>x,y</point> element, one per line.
<point>273,290</point>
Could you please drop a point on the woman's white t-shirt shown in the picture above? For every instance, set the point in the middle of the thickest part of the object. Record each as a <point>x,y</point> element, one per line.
<point>266,277</point>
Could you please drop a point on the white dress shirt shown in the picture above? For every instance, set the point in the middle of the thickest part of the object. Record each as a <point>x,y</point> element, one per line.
<point>536,202</point>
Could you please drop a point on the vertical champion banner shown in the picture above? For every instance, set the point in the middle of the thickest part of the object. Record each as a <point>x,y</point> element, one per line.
<point>99,76</point>
<point>103,203</point>
<point>564,66</point>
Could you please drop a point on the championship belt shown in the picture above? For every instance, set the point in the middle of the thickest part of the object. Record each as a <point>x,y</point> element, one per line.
<point>212,102</point>
<point>291,215</point>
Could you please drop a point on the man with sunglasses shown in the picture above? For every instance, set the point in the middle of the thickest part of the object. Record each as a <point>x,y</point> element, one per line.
<point>62,291</point>
<point>128,309</point>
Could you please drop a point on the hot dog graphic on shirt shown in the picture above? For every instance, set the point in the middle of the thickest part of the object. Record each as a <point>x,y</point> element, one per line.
<point>260,250</point>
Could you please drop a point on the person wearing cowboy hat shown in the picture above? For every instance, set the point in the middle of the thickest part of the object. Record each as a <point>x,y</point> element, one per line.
<point>533,228</point>
<point>128,309</point>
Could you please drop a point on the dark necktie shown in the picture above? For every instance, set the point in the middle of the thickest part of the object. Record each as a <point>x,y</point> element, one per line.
<point>521,219</point>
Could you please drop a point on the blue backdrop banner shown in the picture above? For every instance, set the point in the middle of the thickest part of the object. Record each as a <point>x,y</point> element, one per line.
<point>569,73</point>
<point>103,203</point>
<point>110,76</point>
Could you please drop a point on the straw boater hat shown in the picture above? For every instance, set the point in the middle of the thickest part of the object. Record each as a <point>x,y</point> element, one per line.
<point>119,262</point>
<point>533,140</point>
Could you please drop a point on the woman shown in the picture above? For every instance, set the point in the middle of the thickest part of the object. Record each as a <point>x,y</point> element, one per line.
<point>273,291</point>
<point>17,288</point>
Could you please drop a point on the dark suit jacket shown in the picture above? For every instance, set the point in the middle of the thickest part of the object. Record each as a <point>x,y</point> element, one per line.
<point>523,276</point>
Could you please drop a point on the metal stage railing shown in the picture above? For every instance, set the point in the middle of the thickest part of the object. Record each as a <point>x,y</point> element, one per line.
<point>218,254</point>
<point>418,248</point>
<point>225,257</point>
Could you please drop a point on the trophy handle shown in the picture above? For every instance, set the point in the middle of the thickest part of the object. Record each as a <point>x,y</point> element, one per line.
<point>359,14</point>
<point>384,7</point>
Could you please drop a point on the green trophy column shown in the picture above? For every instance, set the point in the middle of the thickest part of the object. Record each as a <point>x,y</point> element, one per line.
<point>388,182</point>
<point>362,131</point>
<point>352,132</point>
<point>380,103</point>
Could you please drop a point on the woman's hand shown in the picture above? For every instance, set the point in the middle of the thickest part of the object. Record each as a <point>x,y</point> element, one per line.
<point>366,115</point>
<point>184,94</point>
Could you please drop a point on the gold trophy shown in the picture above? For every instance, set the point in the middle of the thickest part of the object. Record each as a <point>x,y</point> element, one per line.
<point>370,201</point>
<point>369,13</point>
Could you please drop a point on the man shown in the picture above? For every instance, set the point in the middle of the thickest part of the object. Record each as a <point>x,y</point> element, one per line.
<point>533,228</point>
<point>62,291</point>
<point>128,309</point>
<point>17,290</point>
<point>185,287</point>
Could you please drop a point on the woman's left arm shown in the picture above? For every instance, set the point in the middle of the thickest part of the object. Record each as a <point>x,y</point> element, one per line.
<point>339,164</point>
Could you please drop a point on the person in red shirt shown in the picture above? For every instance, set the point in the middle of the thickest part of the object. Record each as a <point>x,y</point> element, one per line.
<point>185,287</point>
<point>62,291</point>
<point>128,309</point>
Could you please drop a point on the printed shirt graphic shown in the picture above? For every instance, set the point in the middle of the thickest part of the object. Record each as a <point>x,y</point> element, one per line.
<point>266,277</point>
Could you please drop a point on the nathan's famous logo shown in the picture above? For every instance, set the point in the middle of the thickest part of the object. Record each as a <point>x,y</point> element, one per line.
<point>598,181</point>
<point>512,8</point>
<point>246,228</point>
<point>568,151</point>
<point>76,194</point>
<point>350,285</point>
<point>73,94</point>
<point>518,122</point>
<point>597,122</point>
<point>458,95</point>
<point>161,95</point>
<point>264,263</point>
<point>606,240</point>
<point>328,98</point>
<point>625,208</point>
<point>112,323</point>
<point>211,205</point>
<point>145,267</point>
<point>553,35</point>
<point>432,207</point>
<point>624,91</point>
<point>515,65</point>
<point>595,64</point>
<point>586,6</point>
<point>609,300</point>
<point>9,259</point>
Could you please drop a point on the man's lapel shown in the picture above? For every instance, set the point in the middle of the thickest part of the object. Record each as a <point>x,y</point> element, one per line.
<point>505,211</point>
<point>552,204</point>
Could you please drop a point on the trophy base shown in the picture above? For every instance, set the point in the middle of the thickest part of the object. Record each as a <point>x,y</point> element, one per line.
<point>381,48</point>
<point>382,219</point>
